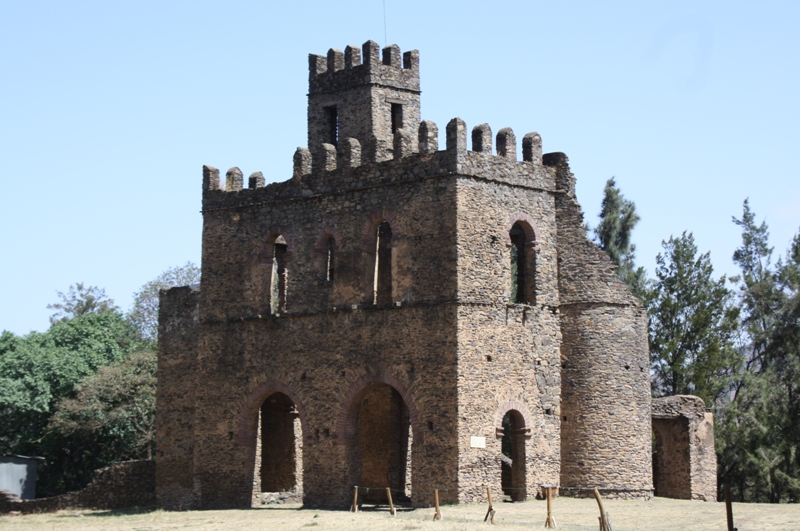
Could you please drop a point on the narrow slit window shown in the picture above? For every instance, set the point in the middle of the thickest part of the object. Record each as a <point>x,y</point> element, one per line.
<point>330,263</point>
<point>332,121</point>
<point>397,117</point>
<point>279,276</point>
<point>517,235</point>
<point>383,265</point>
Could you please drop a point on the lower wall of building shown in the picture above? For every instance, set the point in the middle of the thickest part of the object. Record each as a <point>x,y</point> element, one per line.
<point>175,398</point>
<point>508,364</point>
<point>685,460</point>
<point>327,365</point>
<point>605,409</point>
<point>119,486</point>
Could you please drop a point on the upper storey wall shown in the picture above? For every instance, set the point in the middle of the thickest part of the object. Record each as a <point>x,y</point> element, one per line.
<point>586,273</point>
<point>416,193</point>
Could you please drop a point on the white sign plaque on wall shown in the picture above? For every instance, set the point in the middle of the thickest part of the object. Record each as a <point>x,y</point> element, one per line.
<point>477,442</point>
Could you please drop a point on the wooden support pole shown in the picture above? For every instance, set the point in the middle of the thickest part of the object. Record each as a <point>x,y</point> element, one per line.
<point>437,515</point>
<point>550,522</point>
<point>354,508</point>
<point>729,508</point>
<point>605,525</point>
<point>391,504</point>
<point>490,511</point>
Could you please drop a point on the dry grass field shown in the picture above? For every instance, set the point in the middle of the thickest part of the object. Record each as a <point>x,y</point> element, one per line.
<point>659,514</point>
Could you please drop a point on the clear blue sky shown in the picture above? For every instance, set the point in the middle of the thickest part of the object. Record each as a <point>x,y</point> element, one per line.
<point>110,109</point>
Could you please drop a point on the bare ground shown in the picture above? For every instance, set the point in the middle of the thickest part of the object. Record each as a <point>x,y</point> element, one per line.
<point>659,514</point>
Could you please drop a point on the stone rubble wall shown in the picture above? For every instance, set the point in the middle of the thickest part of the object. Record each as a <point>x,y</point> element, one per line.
<point>122,485</point>
<point>605,409</point>
<point>685,459</point>
<point>568,358</point>
<point>175,397</point>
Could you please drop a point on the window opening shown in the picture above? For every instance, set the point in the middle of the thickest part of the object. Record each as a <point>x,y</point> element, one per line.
<point>397,117</point>
<point>383,265</point>
<point>332,122</point>
<point>330,262</point>
<point>517,264</point>
<point>279,276</point>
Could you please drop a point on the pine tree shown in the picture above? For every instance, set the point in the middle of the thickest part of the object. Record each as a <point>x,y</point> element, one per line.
<point>618,218</point>
<point>692,324</point>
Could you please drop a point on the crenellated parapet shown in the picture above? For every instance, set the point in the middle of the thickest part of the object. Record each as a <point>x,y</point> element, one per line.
<point>339,70</point>
<point>415,154</point>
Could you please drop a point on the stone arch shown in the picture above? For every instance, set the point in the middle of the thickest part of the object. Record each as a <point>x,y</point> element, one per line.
<point>268,244</point>
<point>513,461</point>
<point>248,412</point>
<point>529,227</point>
<point>522,414</point>
<point>321,243</point>
<point>346,424</point>
<point>371,226</point>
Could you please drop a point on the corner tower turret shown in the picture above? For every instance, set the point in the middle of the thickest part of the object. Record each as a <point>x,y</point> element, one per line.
<point>362,95</point>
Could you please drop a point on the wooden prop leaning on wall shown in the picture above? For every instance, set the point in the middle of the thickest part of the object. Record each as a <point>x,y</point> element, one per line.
<point>490,511</point>
<point>392,510</point>
<point>548,491</point>
<point>605,522</point>
<point>354,507</point>
<point>437,515</point>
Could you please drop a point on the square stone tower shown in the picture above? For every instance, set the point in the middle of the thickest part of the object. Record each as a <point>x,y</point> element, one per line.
<point>398,315</point>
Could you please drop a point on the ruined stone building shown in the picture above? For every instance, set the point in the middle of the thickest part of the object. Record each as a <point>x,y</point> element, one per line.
<point>400,314</point>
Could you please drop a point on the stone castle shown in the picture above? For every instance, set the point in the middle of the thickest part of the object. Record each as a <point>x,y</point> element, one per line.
<point>400,315</point>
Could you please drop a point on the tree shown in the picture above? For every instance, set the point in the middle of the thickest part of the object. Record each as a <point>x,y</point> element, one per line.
<point>38,370</point>
<point>144,313</point>
<point>80,300</point>
<point>692,324</point>
<point>618,218</point>
<point>115,408</point>
<point>759,425</point>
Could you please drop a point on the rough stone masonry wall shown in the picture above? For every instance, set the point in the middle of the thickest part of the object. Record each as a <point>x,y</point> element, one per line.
<point>605,435</point>
<point>331,342</point>
<point>685,461</point>
<point>508,353</point>
<point>121,485</point>
<point>363,94</point>
<point>175,396</point>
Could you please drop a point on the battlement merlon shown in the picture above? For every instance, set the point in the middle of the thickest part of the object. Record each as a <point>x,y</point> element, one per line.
<point>344,70</point>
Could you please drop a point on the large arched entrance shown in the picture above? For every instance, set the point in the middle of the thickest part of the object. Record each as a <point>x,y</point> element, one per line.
<point>279,450</point>
<point>383,443</point>
<point>271,424</point>
<point>378,428</point>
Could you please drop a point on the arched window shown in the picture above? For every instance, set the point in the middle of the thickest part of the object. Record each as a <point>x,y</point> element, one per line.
<point>382,287</point>
<point>279,276</point>
<point>517,263</point>
<point>523,263</point>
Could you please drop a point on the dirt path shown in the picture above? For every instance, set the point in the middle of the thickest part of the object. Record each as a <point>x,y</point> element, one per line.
<point>659,514</point>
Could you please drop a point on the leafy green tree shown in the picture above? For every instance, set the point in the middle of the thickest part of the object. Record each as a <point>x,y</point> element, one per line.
<point>144,313</point>
<point>692,324</point>
<point>114,407</point>
<point>39,369</point>
<point>618,218</point>
<point>80,300</point>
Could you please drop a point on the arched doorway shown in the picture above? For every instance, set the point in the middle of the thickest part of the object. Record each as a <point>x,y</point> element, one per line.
<point>383,443</point>
<point>513,466</point>
<point>278,463</point>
